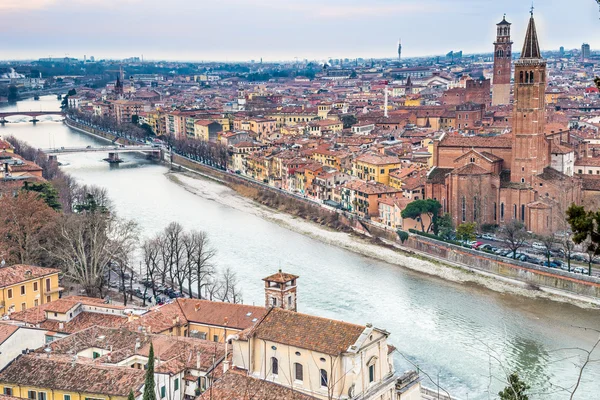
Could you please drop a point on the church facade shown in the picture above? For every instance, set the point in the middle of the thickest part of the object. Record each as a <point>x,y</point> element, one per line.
<point>493,180</point>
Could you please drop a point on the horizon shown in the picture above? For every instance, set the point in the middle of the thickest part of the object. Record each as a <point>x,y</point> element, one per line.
<point>276,31</point>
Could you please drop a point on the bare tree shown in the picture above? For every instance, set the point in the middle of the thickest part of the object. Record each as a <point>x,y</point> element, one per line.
<point>548,241</point>
<point>151,253</point>
<point>203,268</point>
<point>172,250</point>
<point>87,242</point>
<point>514,235</point>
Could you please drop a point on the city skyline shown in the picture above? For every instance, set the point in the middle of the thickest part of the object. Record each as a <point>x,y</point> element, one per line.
<point>235,30</point>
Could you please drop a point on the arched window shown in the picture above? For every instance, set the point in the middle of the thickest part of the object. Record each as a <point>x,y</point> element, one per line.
<point>523,212</point>
<point>514,211</point>
<point>495,212</point>
<point>501,211</point>
<point>298,372</point>
<point>464,209</point>
<point>521,77</point>
<point>475,208</point>
<point>274,366</point>
<point>324,380</point>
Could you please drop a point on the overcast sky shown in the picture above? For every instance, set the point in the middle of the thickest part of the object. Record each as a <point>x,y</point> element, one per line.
<point>281,29</point>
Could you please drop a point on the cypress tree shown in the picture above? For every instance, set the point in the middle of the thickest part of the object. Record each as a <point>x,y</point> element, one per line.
<point>149,390</point>
<point>131,395</point>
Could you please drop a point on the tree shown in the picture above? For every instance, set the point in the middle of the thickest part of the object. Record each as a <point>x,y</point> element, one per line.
<point>446,226</point>
<point>513,233</point>
<point>402,235</point>
<point>586,230</point>
<point>548,241</point>
<point>131,395</point>
<point>26,224</point>
<point>418,208</point>
<point>149,385</point>
<point>203,268</point>
<point>13,93</point>
<point>348,121</point>
<point>135,119</point>
<point>88,242</point>
<point>466,231</point>
<point>151,254</point>
<point>516,389</point>
<point>46,192</point>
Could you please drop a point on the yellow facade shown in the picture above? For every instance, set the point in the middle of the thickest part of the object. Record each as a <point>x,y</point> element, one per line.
<point>29,293</point>
<point>412,102</point>
<point>53,394</point>
<point>210,332</point>
<point>374,172</point>
<point>201,132</point>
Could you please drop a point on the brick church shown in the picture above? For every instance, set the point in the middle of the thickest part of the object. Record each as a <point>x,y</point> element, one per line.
<point>492,180</point>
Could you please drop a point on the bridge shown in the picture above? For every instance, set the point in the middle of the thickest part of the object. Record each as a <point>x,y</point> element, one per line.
<point>32,114</point>
<point>113,151</point>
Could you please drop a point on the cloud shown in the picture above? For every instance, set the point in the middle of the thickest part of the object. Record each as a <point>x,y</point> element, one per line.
<point>19,5</point>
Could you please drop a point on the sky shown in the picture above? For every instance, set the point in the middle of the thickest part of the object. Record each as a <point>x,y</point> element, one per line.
<point>237,30</point>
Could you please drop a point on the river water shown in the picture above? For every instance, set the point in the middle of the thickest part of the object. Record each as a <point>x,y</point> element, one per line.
<point>462,334</point>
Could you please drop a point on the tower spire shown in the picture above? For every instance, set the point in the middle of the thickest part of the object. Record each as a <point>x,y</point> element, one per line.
<point>531,47</point>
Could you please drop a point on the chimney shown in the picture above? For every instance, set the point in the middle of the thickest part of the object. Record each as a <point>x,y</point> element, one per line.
<point>197,307</point>
<point>61,325</point>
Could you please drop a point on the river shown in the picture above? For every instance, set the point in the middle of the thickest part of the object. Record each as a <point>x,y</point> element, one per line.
<point>456,333</point>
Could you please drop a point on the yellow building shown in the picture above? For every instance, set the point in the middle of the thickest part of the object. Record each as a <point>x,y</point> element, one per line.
<point>26,286</point>
<point>375,167</point>
<point>207,130</point>
<point>323,109</point>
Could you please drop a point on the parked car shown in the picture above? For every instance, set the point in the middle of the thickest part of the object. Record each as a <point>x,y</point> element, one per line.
<point>488,236</point>
<point>579,270</point>
<point>476,245</point>
<point>538,246</point>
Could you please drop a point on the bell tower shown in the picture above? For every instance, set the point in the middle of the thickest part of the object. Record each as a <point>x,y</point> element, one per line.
<point>531,151</point>
<point>280,291</point>
<point>502,64</point>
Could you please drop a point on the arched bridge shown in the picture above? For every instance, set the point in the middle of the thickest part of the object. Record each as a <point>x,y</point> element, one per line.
<point>97,149</point>
<point>32,114</point>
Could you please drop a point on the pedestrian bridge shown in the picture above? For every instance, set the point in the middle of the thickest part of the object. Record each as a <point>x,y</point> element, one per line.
<point>32,114</point>
<point>98,149</point>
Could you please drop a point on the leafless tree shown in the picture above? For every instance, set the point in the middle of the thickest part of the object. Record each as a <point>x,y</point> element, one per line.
<point>87,242</point>
<point>548,241</point>
<point>172,250</point>
<point>202,265</point>
<point>513,233</point>
<point>151,254</point>
<point>229,292</point>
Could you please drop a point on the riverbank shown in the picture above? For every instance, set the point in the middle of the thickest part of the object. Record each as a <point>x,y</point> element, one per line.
<point>218,191</point>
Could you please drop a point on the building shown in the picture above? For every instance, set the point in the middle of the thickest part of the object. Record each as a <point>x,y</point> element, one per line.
<point>281,291</point>
<point>206,130</point>
<point>15,339</point>
<point>585,51</point>
<point>493,180</point>
<point>27,286</point>
<point>502,64</point>
<point>375,167</point>
<point>319,357</point>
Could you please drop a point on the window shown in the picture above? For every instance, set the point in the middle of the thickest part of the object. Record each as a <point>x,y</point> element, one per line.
<point>176,384</point>
<point>32,394</point>
<point>8,391</point>
<point>323,374</point>
<point>9,291</point>
<point>47,284</point>
<point>371,373</point>
<point>48,299</point>
<point>475,207</point>
<point>35,286</point>
<point>66,397</point>
<point>163,392</point>
<point>273,301</point>
<point>289,301</point>
<point>464,209</point>
<point>274,366</point>
<point>215,338</point>
<point>95,355</point>
<point>522,212</point>
<point>41,395</point>
<point>579,171</point>
<point>36,303</point>
<point>501,211</point>
<point>298,372</point>
<point>495,212</point>
<point>23,306</point>
<point>22,290</point>
<point>382,171</point>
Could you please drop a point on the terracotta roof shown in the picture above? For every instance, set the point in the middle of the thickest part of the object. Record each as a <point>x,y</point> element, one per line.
<point>36,315</point>
<point>59,373</point>
<point>20,273</point>
<point>239,316</point>
<point>308,332</point>
<point>503,141</point>
<point>378,159</point>
<point>280,277</point>
<point>438,175</point>
<point>83,321</point>
<point>591,182</point>
<point>238,386</point>
<point>588,162</point>
<point>6,331</point>
<point>470,169</point>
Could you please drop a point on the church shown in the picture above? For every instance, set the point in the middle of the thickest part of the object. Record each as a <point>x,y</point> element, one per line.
<point>522,175</point>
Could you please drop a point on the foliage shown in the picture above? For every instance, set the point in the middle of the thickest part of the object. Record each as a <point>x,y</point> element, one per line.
<point>586,230</point>
<point>135,119</point>
<point>402,235</point>
<point>13,93</point>
<point>46,192</point>
<point>446,226</point>
<point>26,223</point>
<point>416,209</point>
<point>149,384</point>
<point>489,228</point>
<point>516,389</point>
<point>348,121</point>
<point>466,231</point>
<point>131,395</point>
<point>513,233</point>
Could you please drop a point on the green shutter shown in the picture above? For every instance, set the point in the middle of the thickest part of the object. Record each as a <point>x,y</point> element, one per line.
<point>163,392</point>
<point>176,383</point>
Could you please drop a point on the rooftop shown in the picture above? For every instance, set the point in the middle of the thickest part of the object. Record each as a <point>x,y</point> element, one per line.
<point>14,274</point>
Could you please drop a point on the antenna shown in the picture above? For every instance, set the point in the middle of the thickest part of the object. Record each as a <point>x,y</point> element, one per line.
<point>532,8</point>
